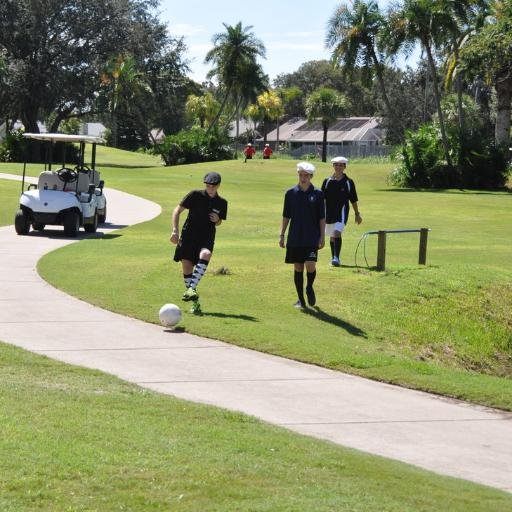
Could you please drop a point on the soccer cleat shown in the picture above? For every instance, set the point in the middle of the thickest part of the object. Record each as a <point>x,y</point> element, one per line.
<point>311,296</point>
<point>190,294</point>
<point>196,308</point>
<point>299,305</point>
<point>335,262</point>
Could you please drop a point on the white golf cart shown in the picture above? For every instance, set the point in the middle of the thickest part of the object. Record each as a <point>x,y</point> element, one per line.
<point>69,197</point>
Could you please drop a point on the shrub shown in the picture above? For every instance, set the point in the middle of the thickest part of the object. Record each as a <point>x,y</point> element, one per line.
<point>195,145</point>
<point>13,147</point>
<point>480,164</point>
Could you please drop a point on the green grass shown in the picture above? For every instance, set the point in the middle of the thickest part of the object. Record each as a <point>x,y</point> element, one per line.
<point>10,194</point>
<point>79,440</point>
<point>444,328</point>
<point>75,439</point>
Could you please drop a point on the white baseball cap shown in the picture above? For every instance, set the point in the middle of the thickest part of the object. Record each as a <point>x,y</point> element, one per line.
<point>306,167</point>
<point>339,160</point>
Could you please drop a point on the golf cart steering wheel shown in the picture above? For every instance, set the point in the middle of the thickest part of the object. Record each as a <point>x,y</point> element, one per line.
<point>67,175</point>
<point>82,168</point>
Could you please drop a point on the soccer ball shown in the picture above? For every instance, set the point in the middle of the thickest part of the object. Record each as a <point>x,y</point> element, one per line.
<point>170,315</point>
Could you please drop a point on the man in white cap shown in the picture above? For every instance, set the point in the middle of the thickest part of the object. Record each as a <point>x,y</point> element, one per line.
<point>304,212</point>
<point>339,191</point>
<point>249,152</point>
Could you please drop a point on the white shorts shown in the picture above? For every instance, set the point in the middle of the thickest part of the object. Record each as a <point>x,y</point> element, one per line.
<point>331,228</point>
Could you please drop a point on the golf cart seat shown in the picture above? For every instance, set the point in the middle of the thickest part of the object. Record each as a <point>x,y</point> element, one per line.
<point>83,184</point>
<point>49,180</point>
<point>94,177</point>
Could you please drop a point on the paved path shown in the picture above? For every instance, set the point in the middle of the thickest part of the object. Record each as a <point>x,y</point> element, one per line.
<point>445,436</point>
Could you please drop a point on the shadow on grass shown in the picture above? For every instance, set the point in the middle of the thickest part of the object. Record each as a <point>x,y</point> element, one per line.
<point>458,191</point>
<point>82,235</point>
<point>226,315</point>
<point>318,313</point>
<point>128,166</point>
<point>109,225</point>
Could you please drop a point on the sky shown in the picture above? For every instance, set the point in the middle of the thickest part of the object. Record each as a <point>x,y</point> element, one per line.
<point>293,31</point>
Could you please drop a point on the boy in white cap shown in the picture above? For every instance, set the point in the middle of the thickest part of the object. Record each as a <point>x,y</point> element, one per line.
<point>304,212</point>
<point>339,191</point>
<point>194,248</point>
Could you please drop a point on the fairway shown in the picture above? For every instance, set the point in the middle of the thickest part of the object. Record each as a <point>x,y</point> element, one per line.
<point>87,433</point>
<point>443,327</point>
<point>10,193</point>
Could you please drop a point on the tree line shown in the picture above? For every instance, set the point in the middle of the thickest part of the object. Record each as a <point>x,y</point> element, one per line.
<point>121,66</point>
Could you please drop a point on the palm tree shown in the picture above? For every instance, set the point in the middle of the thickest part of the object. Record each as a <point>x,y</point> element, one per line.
<point>489,54</point>
<point>353,33</point>
<point>252,82</point>
<point>203,108</point>
<point>234,59</point>
<point>291,100</point>
<point>271,108</point>
<point>326,104</point>
<point>429,22</point>
<point>126,84</point>
<point>470,16</point>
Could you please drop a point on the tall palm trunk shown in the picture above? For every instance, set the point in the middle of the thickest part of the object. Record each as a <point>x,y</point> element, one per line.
<point>503,88</point>
<point>237,128</point>
<point>437,97</point>
<point>114,129</point>
<point>219,113</point>
<point>325,126</point>
<point>276,149</point>
<point>380,78</point>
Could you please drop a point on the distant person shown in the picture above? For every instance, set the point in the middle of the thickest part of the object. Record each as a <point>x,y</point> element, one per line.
<point>194,248</point>
<point>340,192</point>
<point>304,212</point>
<point>249,151</point>
<point>267,152</point>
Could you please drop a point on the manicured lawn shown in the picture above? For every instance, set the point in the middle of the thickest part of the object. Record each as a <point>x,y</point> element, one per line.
<point>75,439</point>
<point>10,193</point>
<point>445,327</point>
<point>79,440</point>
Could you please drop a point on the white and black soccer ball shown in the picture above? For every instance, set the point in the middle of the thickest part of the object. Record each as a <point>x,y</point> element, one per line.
<point>169,315</point>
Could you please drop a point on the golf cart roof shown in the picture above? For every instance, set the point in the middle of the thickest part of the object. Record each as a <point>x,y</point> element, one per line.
<point>53,137</point>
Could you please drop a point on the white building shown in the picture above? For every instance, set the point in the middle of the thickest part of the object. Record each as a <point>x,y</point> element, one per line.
<point>350,136</point>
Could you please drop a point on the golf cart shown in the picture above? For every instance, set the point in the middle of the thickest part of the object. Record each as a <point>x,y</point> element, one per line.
<point>69,197</point>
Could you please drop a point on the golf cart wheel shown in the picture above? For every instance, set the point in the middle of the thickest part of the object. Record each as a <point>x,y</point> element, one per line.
<point>71,223</point>
<point>91,228</point>
<point>38,226</point>
<point>21,223</point>
<point>102,217</point>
